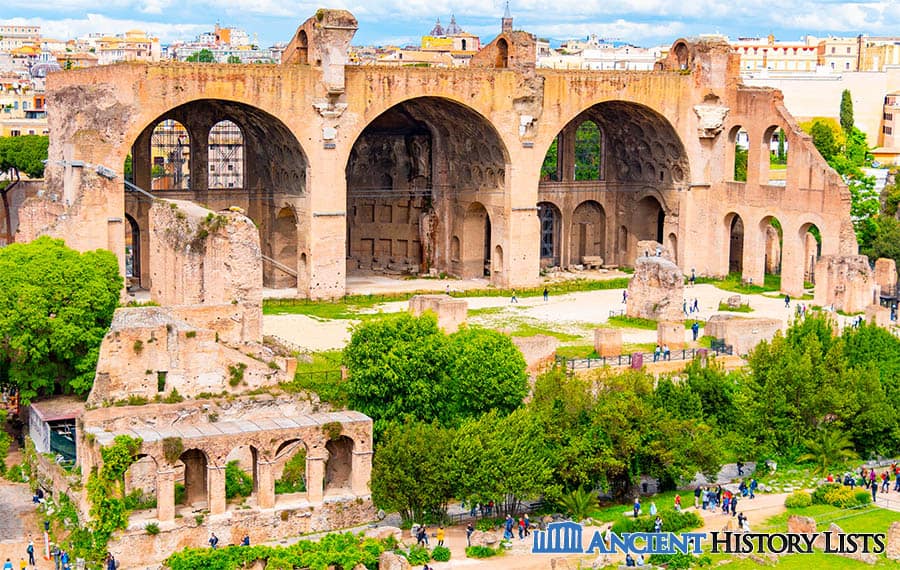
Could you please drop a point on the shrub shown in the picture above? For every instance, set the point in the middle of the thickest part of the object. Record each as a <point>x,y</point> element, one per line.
<point>293,478</point>
<point>798,500</point>
<point>673,521</point>
<point>440,554</point>
<point>862,497</point>
<point>836,495</point>
<point>237,483</point>
<point>488,524</point>
<point>417,555</point>
<point>152,528</point>
<point>14,474</point>
<point>180,494</point>
<point>679,561</point>
<point>332,430</point>
<point>481,551</point>
<point>174,397</point>
<point>236,374</point>
<point>173,447</point>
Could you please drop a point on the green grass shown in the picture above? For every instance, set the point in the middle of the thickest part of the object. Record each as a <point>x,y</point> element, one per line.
<point>629,348</point>
<point>577,351</point>
<point>321,376</point>
<point>486,311</point>
<point>621,321</point>
<point>863,519</point>
<point>528,329</point>
<point>818,560</point>
<point>612,512</point>
<point>325,360</point>
<point>350,306</point>
<point>732,283</point>
<point>745,308</point>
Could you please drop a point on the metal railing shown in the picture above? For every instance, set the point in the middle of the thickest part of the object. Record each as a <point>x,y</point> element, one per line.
<point>573,364</point>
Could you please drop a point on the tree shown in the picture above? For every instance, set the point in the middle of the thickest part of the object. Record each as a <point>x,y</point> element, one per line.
<point>579,504</point>
<point>202,56</point>
<point>397,366</point>
<point>740,164</point>
<point>824,140</point>
<point>501,459</point>
<point>486,371</point>
<point>782,155</point>
<point>884,241</point>
<point>411,470</point>
<point>20,155</point>
<point>830,448</point>
<point>846,111</point>
<point>55,307</point>
<point>233,59</point>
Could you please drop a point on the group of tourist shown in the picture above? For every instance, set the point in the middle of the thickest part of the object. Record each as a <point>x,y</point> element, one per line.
<point>690,307</point>
<point>871,479</point>
<point>662,353</point>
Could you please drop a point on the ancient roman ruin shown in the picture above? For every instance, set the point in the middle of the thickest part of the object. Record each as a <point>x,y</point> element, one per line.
<point>346,169</point>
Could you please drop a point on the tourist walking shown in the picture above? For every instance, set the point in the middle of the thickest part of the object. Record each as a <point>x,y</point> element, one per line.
<point>513,299</point>
<point>657,524</point>
<point>7,565</point>
<point>695,329</point>
<point>696,305</point>
<point>667,355</point>
<point>697,492</point>
<point>787,301</point>
<point>469,530</point>
<point>874,489</point>
<point>30,550</point>
<point>546,295</point>
<point>625,296</point>
<point>213,541</point>
<point>440,535</point>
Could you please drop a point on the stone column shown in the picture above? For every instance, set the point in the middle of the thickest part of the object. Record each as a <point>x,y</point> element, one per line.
<point>565,154</point>
<point>140,161</point>
<point>361,472</point>
<point>165,495</point>
<point>199,167</point>
<point>265,488</point>
<point>753,259</point>
<point>792,265</point>
<point>327,222</point>
<point>315,479</point>
<point>215,477</point>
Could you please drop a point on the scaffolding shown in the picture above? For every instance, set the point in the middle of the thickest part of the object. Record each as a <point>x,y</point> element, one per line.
<point>226,156</point>
<point>170,151</point>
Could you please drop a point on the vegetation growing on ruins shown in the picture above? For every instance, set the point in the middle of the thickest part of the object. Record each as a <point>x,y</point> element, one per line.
<point>333,550</point>
<point>56,305</point>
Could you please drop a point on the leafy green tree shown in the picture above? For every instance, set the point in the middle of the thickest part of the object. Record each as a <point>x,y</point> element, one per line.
<point>397,367</point>
<point>20,155</point>
<point>202,56</point>
<point>486,371</point>
<point>504,459</point>
<point>411,470</point>
<point>828,449</point>
<point>782,155</point>
<point>55,307</point>
<point>740,164</point>
<point>884,241</point>
<point>293,477</point>
<point>587,151</point>
<point>549,167</point>
<point>233,59</point>
<point>824,139</point>
<point>237,482</point>
<point>846,111</point>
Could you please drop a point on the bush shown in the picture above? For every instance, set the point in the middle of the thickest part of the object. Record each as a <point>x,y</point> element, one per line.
<point>417,555</point>
<point>488,524</point>
<point>798,500</point>
<point>679,560</point>
<point>180,493</point>
<point>293,478</point>
<point>673,521</point>
<point>237,483</point>
<point>440,554</point>
<point>481,552</point>
<point>840,496</point>
<point>14,474</point>
<point>152,528</point>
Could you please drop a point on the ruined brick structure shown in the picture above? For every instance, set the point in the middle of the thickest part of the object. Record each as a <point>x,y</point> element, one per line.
<point>348,169</point>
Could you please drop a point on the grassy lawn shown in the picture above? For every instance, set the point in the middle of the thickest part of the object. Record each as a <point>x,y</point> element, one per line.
<point>864,519</point>
<point>350,306</point>
<point>486,311</point>
<point>610,513</point>
<point>733,284</point>
<point>818,561</point>
<point>623,322</point>
<point>577,351</point>
<point>528,329</point>
<point>322,375</point>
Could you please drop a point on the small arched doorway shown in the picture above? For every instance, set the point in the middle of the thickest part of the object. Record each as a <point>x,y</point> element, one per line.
<point>588,237</point>
<point>735,227</point>
<point>502,59</point>
<point>339,467</point>
<point>551,222</point>
<point>476,258</point>
<point>132,252</point>
<point>194,463</point>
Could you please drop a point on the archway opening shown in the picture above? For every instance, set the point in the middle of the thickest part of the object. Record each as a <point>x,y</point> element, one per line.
<point>339,467</point>
<point>241,474</point>
<point>170,154</point>
<point>672,245</point>
<point>193,463</point>
<point>303,47</point>
<point>735,226</point>
<point>221,154</point>
<point>412,178</point>
<point>502,58</point>
<point>551,222</point>
<point>739,140</point>
<point>773,239</point>
<point>812,250</point>
<point>290,467</point>
<point>615,154</point>
<point>588,232</point>
<point>140,484</point>
<point>132,253</point>
<point>283,250</point>
<point>476,254</point>
<point>226,156</point>
<point>775,164</point>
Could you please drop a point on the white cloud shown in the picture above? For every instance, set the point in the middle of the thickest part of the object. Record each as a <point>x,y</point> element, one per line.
<point>93,23</point>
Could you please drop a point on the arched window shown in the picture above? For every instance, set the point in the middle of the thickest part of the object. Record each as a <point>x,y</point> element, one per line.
<point>588,149</point>
<point>170,154</point>
<point>502,60</point>
<point>226,156</point>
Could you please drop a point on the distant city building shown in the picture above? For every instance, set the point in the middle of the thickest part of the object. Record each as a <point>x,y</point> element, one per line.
<point>12,37</point>
<point>596,53</point>
<point>228,45</point>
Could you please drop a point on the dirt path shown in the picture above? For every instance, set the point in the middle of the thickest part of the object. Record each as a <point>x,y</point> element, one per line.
<point>18,522</point>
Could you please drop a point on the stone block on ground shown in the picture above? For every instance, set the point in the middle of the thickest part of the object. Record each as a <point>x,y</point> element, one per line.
<point>670,334</point>
<point>391,561</point>
<point>892,548</point>
<point>539,350</point>
<point>382,532</point>
<point>734,302</point>
<point>450,312</point>
<point>485,538</point>
<point>886,275</point>
<point>845,282</point>
<point>740,332</point>
<point>608,342</point>
<point>878,316</point>
<point>656,291</point>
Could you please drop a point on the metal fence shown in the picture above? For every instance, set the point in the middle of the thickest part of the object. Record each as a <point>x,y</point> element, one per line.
<point>719,347</point>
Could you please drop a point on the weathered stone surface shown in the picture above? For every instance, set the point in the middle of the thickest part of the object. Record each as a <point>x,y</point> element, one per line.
<point>391,561</point>
<point>539,350</point>
<point>834,531</point>
<point>656,291</point>
<point>608,342</point>
<point>670,334</point>
<point>845,282</point>
<point>734,302</point>
<point>485,538</point>
<point>878,316</point>
<point>559,564</point>
<point>652,248</point>
<point>892,548</point>
<point>740,332</point>
<point>450,312</point>
<point>886,275</point>
<point>382,532</point>
<point>799,524</point>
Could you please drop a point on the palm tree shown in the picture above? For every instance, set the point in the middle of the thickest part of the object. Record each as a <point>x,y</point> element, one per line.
<point>579,503</point>
<point>830,448</point>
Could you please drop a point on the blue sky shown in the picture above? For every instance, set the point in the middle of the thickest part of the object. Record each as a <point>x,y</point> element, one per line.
<point>642,22</point>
